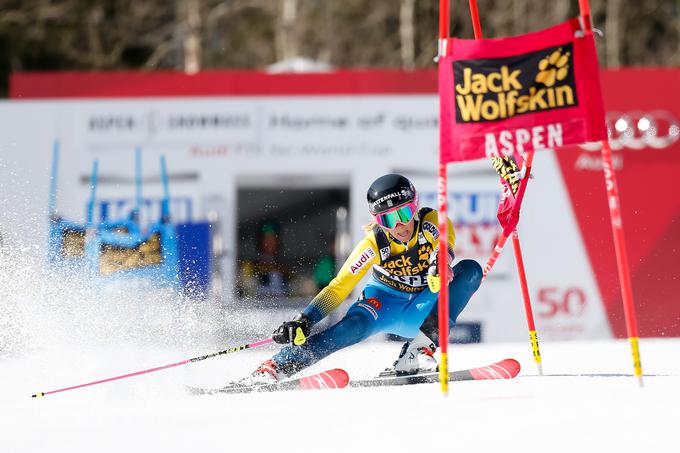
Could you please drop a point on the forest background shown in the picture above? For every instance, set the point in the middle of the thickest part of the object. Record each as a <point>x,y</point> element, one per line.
<point>197,35</point>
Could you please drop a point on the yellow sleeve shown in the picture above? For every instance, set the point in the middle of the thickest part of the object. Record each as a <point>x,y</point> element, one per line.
<point>432,218</point>
<point>362,258</point>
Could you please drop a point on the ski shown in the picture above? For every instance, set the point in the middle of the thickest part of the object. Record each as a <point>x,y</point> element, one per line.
<point>504,369</point>
<point>335,378</point>
<point>338,378</point>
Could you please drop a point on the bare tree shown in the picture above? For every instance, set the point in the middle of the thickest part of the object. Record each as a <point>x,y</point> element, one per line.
<point>675,59</point>
<point>613,27</point>
<point>520,8</point>
<point>192,35</point>
<point>286,31</point>
<point>189,27</point>
<point>407,33</point>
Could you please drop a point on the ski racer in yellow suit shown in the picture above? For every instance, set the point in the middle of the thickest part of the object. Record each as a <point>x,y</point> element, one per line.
<point>399,251</point>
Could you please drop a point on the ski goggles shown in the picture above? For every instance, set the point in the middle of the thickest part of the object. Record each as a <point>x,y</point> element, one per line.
<point>402,214</point>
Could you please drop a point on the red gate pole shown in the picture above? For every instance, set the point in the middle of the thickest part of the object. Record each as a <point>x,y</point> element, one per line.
<point>617,232</point>
<point>533,336</point>
<point>443,302</point>
<point>621,257</point>
<point>519,260</point>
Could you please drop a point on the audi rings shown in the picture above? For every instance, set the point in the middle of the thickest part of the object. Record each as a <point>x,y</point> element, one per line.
<point>638,130</point>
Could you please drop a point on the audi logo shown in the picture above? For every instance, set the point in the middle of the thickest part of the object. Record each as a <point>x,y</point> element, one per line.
<point>637,130</point>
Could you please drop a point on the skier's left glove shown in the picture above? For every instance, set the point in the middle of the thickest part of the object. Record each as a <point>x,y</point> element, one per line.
<point>295,331</point>
<point>433,280</point>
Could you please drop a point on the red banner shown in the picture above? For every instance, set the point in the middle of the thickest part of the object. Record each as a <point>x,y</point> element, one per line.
<point>644,120</point>
<point>500,97</point>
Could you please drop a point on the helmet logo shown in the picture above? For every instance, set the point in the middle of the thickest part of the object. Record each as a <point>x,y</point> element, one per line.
<point>402,195</point>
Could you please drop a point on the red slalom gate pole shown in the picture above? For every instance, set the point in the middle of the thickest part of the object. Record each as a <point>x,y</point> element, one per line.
<point>476,24</point>
<point>159,368</point>
<point>519,260</point>
<point>621,258</point>
<point>443,301</point>
<point>533,336</point>
<point>519,197</point>
<point>444,25</point>
<point>495,254</point>
<point>617,232</point>
<point>443,306</point>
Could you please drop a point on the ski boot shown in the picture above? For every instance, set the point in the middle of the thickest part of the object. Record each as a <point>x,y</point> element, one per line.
<point>265,374</point>
<point>416,356</point>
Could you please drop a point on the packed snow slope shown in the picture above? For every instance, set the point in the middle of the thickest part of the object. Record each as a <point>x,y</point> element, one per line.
<point>57,332</point>
<point>581,404</point>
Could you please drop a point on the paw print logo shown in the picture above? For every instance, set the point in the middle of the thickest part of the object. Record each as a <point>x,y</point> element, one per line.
<point>424,253</point>
<point>553,68</point>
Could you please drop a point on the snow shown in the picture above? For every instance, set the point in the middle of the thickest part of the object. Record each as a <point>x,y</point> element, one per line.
<point>56,333</point>
<point>561,411</point>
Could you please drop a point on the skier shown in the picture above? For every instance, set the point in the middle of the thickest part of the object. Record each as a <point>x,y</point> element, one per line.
<point>400,248</point>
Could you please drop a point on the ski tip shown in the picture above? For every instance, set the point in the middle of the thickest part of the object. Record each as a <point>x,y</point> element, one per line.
<point>503,369</point>
<point>335,378</point>
<point>342,376</point>
<point>339,376</point>
<point>511,365</point>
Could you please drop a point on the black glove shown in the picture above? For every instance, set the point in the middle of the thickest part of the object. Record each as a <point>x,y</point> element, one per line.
<point>294,331</point>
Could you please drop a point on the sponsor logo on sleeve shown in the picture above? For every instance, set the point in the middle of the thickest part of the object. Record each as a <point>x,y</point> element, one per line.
<point>432,229</point>
<point>375,302</point>
<point>367,255</point>
<point>370,309</point>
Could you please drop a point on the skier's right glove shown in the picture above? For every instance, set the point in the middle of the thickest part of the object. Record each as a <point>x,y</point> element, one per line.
<point>294,331</point>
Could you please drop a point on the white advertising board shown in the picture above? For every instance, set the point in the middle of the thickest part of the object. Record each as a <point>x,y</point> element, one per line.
<point>215,145</point>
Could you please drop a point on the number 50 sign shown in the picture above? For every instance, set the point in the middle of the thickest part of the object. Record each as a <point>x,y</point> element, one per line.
<point>570,302</point>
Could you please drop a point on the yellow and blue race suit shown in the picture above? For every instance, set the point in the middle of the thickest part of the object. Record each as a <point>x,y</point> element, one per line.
<point>396,298</point>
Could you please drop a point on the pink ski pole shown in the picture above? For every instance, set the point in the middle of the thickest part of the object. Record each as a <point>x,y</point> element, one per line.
<point>163,367</point>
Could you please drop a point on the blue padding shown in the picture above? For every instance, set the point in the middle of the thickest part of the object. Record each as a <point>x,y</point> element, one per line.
<point>193,241</point>
<point>57,226</point>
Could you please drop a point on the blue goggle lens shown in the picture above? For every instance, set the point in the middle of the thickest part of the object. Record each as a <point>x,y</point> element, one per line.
<point>390,219</point>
